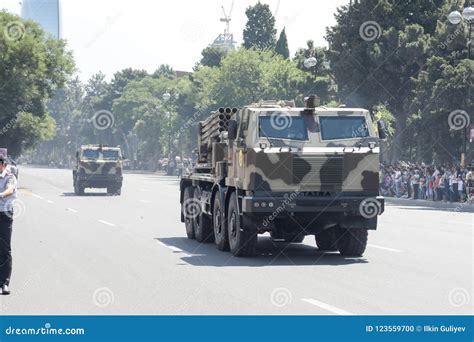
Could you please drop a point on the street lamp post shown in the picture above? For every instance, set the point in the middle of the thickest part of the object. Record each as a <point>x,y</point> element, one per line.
<point>171,163</point>
<point>455,18</point>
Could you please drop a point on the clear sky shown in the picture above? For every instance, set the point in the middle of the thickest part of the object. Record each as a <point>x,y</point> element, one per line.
<point>110,35</point>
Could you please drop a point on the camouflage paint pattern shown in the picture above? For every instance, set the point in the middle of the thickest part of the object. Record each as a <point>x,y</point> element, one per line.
<point>98,166</point>
<point>310,165</point>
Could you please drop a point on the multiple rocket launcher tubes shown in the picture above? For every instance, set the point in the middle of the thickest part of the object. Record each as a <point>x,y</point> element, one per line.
<point>217,122</point>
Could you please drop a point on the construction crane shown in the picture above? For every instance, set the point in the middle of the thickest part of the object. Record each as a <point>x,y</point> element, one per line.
<point>227,18</point>
<point>226,40</point>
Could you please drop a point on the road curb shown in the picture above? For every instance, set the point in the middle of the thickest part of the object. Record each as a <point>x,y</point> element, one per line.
<point>456,206</point>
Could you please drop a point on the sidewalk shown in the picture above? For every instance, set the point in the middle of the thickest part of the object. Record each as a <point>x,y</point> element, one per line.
<point>455,206</point>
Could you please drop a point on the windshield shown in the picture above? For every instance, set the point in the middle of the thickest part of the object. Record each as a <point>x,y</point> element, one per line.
<point>283,127</point>
<point>343,127</point>
<point>90,154</point>
<point>113,155</point>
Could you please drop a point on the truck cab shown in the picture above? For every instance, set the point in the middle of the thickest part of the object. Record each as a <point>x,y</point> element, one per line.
<point>293,172</point>
<point>98,166</point>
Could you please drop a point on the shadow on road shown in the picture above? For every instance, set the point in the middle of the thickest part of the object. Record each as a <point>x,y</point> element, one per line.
<point>90,194</point>
<point>270,253</point>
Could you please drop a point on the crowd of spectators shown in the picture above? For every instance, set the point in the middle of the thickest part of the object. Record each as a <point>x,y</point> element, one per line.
<point>430,182</point>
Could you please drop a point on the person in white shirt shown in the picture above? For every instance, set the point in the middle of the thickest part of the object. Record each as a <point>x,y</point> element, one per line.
<point>7,196</point>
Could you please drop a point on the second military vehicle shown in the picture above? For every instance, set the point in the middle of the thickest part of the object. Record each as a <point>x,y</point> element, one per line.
<point>292,172</point>
<point>98,166</point>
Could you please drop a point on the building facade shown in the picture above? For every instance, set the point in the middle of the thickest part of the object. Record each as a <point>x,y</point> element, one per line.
<point>47,13</point>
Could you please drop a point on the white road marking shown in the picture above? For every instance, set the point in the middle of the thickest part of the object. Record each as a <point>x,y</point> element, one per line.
<point>106,223</point>
<point>73,210</point>
<point>174,249</point>
<point>325,306</point>
<point>51,202</point>
<point>37,196</point>
<point>145,190</point>
<point>145,201</point>
<point>385,248</point>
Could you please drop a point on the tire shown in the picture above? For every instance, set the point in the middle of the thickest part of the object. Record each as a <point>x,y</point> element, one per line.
<point>352,242</point>
<point>296,238</point>
<point>114,190</point>
<point>276,237</point>
<point>219,224</point>
<point>203,231</point>
<point>326,239</point>
<point>188,220</point>
<point>242,231</point>
<point>80,188</point>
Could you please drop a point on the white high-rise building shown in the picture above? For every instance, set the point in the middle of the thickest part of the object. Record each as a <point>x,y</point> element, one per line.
<point>47,13</point>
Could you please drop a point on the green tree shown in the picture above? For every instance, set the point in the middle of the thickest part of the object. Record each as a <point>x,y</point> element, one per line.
<point>443,87</point>
<point>32,66</point>
<point>65,108</point>
<point>166,71</point>
<point>317,78</point>
<point>248,76</point>
<point>260,29</point>
<point>212,56</point>
<point>377,48</point>
<point>282,45</point>
<point>142,111</point>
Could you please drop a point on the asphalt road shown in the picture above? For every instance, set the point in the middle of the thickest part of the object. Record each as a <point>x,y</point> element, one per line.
<point>129,255</point>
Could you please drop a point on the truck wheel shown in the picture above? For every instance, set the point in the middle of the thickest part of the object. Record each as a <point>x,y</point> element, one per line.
<point>185,209</point>
<point>80,188</point>
<point>295,238</point>
<point>114,190</point>
<point>202,223</point>
<point>352,242</point>
<point>326,239</point>
<point>219,225</point>
<point>242,231</point>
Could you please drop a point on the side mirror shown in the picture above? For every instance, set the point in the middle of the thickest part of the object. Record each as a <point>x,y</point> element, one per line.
<point>232,130</point>
<point>381,129</point>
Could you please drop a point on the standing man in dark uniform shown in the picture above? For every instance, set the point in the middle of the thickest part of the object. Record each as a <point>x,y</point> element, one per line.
<point>7,196</point>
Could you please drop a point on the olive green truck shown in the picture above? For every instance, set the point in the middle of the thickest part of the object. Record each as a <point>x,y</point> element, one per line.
<point>273,168</point>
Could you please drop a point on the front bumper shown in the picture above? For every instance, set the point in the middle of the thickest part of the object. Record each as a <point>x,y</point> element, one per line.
<point>368,207</point>
<point>99,180</point>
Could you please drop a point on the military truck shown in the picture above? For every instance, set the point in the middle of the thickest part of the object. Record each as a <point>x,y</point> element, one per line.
<point>98,166</point>
<point>292,172</point>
